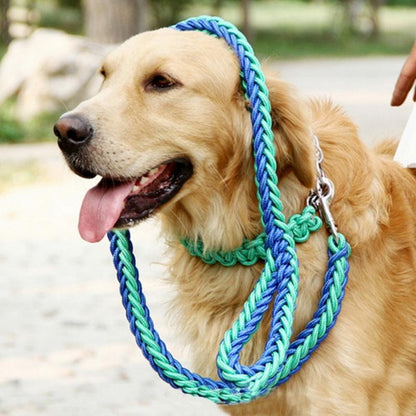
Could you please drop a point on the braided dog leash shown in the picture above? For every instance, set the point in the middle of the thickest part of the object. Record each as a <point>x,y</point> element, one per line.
<point>278,282</point>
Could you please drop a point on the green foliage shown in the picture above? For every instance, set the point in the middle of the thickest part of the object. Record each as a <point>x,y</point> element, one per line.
<point>65,16</point>
<point>40,128</point>
<point>402,3</point>
<point>167,12</point>
<point>297,29</point>
<point>74,4</point>
<point>3,49</point>
<point>13,130</point>
<point>307,43</point>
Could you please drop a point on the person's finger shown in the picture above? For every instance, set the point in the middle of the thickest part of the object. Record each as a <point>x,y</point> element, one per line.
<point>406,79</point>
<point>402,87</point>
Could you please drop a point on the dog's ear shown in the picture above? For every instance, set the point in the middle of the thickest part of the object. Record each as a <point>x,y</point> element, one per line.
<point>293,135</point>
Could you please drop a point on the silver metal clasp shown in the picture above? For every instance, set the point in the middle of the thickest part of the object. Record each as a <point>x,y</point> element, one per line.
<point>321,197</point>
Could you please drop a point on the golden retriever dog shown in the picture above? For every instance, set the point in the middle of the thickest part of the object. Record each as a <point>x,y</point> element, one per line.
<point>170,133</point>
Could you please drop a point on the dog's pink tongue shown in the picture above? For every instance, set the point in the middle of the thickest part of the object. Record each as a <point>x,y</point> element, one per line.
<point>101,209</point>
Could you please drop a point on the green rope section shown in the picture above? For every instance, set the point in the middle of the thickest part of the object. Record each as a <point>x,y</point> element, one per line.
<point>251,251</point>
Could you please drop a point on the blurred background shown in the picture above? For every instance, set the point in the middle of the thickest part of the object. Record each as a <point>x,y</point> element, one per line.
<point>284,29</point>
<point>65,346</point>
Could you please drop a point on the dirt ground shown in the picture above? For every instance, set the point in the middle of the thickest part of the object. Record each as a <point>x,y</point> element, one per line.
<point>65,346</point>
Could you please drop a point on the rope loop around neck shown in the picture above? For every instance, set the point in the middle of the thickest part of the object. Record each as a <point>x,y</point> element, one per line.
<point>252,251</point>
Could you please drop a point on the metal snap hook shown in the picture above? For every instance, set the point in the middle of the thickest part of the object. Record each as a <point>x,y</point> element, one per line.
<point>321,197</point>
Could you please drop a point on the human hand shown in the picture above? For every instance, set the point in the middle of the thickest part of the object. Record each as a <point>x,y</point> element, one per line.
<point>406,80</point>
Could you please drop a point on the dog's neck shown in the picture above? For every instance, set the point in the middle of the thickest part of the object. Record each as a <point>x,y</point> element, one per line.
<point>224,212</point>
<point>223,218</point>
<point>220,217</point>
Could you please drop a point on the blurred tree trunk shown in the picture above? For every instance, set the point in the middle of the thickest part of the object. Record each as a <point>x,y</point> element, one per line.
<point>216,9</point>
<point>362,16</point>
<point>375,12</point>
<point>247,28</point>
<point>112,21</point>
<point>167,12</point>
<point>4,22</point>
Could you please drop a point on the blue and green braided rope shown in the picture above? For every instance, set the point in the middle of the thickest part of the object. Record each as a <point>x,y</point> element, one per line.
<point>278,282</point>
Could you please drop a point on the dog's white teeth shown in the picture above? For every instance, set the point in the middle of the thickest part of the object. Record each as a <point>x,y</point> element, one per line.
<point>145,179</point>
<point>153,171</point>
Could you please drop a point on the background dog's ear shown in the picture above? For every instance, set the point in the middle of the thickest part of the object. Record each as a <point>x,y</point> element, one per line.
<point>292,129</point>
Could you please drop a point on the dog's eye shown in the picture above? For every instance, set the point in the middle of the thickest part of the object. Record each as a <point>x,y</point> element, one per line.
<point>103,73</point>
<point>160,82</point>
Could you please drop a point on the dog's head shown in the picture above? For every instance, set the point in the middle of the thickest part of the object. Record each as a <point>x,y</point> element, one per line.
<point>171,120</point>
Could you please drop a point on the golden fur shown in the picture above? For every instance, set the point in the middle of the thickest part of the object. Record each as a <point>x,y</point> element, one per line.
<point>367,366</point>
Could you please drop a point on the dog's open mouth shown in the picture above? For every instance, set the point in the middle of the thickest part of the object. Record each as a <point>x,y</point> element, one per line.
<point>122,203</point>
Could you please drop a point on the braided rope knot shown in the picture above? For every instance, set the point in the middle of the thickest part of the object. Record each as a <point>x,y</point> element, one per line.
<point>302,225</point>
<point>252,251</point>
<point>275,290</point>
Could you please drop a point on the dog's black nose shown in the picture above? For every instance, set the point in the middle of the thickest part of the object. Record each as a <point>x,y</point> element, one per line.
<point>72,132</point>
